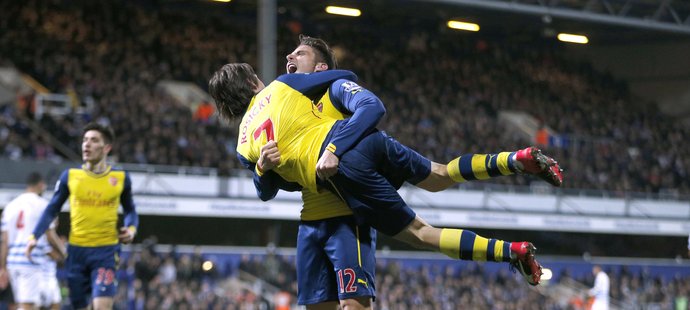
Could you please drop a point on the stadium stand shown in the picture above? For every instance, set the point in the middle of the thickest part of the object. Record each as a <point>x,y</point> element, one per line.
<point>174,279</point>
<point>610,140</point>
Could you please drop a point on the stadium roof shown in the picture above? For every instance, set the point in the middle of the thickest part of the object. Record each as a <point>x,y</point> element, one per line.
<point>611,21</point>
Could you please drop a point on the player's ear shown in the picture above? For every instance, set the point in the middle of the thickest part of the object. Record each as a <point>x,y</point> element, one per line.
<point>321,66</point>
<point>107,148</point>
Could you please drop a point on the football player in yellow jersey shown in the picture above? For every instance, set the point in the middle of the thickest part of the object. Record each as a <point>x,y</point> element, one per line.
<point>316,250</point>
<point>95,192</point>
<point>453,242</point>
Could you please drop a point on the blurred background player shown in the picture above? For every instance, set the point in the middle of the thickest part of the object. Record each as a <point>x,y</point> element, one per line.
<point>34,280</point>
<point>600,291</point>
<point>95,191</point>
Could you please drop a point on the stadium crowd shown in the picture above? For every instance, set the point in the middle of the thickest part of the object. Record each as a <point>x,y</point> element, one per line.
<point>172,280</point>
<point>442,104</point>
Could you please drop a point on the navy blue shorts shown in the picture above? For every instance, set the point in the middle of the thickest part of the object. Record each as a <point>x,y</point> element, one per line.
<point>368,178</point>
<point>335,260</point>
<point>91,272</point>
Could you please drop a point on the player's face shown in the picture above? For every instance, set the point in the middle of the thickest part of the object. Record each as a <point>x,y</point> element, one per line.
<point>93,147</point>
<point>303,60</point>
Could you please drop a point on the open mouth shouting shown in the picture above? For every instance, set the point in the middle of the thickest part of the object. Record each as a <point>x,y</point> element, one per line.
<point>291,67</point>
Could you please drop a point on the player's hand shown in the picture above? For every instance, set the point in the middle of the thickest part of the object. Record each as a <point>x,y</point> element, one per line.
<point>30,248</point>
<point>126,235</point>
<point>4,279</point>
<point>270,156</point>
<point>327,166</point>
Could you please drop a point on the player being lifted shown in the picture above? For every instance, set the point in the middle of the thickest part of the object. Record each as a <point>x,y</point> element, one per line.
<point>34,281</point>
<point>358,181</point>
<point>95,192</point>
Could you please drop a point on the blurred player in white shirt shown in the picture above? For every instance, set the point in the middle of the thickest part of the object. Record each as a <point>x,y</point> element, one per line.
<point>600,291</point>
<point>34,281</point>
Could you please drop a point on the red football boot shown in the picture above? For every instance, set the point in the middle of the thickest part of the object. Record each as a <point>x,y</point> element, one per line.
<point>536,163</point>
<point>522,254</point>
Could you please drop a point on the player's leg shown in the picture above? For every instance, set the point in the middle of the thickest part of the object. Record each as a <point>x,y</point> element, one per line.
<point>357,303</point>
<point>470,167</point>
<point>103,263</point>
<point>316,282</point>
<point>351,249</point>
<point>103,303</point>
<point>25,283</point>
<point>328,305</point>
<point>51,291</point>
<point>376,201</point>
<point>7,297</point>
<point>399,161</point>
<point>466,245</point>
<point>335,261</point>
<point>78,277</point>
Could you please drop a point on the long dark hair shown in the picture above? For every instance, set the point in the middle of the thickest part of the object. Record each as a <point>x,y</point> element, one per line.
<point>232,88</point>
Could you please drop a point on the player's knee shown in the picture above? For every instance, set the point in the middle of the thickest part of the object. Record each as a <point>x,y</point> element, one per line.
<point>357,303</point>
<point>420,234</point>
<point>437,180</point>
<point>103,303</point>
<point>329,305</point>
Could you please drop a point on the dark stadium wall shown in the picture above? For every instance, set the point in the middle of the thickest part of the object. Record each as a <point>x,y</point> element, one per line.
<point>658,72</point>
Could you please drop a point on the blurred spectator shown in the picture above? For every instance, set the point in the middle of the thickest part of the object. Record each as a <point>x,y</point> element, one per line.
<point>600,291</point>
<point>204,112</point>
<point>541,138</point>
<point>168,271</point>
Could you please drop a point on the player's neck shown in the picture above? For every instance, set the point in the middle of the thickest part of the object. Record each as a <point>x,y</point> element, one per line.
<point>97,168</point>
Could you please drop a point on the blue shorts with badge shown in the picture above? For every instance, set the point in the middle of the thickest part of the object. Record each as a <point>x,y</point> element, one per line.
<point>91,272</point>
<point>369,176</point>
<point>335,260</point>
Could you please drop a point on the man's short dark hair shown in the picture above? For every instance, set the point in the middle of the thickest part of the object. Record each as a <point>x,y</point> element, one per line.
<point>106,131</point>
<point>324,52</point>
<point>232,88</point>
<point>34,179</point>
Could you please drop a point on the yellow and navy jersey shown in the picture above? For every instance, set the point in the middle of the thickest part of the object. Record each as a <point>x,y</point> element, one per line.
<point>94,201</point>
<point>325,204</point>
<point>284,112</point>
<point>342,99</point>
